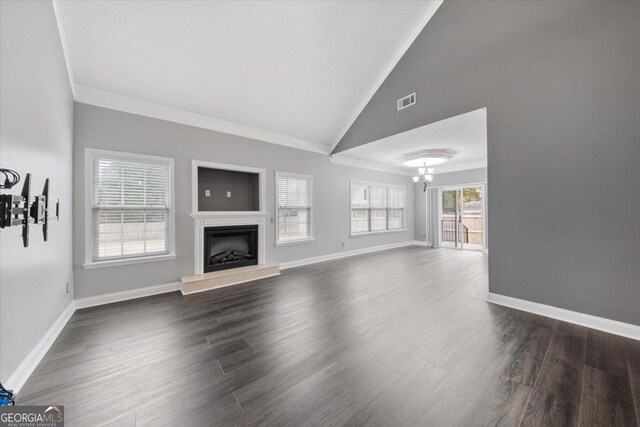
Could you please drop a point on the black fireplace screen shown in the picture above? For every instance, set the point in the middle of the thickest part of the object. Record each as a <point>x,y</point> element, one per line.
<point>230,247</point>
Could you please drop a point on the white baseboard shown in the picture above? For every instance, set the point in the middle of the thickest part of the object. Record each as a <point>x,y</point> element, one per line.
<point>422,243</point>
<point>328,257</point>
<point>345,254</point>
<point>127,295</point>
<point>177,286</point>
<point>30,363</point>
<point>600,323</point>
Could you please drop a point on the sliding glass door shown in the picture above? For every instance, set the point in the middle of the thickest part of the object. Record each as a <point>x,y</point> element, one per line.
<point>450,219</point>
<point>462,217</point>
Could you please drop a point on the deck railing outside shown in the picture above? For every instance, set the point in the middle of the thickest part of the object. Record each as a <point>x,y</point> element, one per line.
<point>449,231</point>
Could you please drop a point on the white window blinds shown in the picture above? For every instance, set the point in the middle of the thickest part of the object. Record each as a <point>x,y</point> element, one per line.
<point>376,207</point>
<point>395,208</point>
<point>294,200</point>
<point>130,207</point>
<point>359,208</point>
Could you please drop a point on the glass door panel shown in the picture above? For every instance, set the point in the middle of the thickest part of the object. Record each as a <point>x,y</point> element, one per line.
<point>449,233</point>
<point>462,217</point>
<point>473,217</point>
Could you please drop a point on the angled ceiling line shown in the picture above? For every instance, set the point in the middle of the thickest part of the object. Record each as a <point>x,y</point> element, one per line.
<point>65,47</point>
<point>108,99</point>
<point>383,76</point>
<point>464,136</point>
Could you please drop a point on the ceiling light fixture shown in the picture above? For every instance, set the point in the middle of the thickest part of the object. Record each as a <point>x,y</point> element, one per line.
<point>426,176</point>
<point>424,158</point>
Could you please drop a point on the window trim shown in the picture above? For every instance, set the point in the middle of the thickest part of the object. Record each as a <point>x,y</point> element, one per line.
<point>379,184</point>
<point>312,235</point>
<point>90,263</point>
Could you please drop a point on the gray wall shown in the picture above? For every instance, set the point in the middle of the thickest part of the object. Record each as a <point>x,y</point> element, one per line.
<point>36,115</point>
<point>244,188</point>
<point>560,81</point>
<point>422,231</point>
<point>108,129</point>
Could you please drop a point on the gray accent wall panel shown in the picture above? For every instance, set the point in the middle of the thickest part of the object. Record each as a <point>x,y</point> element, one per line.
<point>560,81</point>
<point>102,128</point>
<point>36,135</point>
<point>228,190</point>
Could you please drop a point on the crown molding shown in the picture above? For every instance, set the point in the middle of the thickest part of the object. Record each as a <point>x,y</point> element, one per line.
<point>401,170</point>
<point>363,164</point>
<point>115,101</point>
<point>385,73</point>
<point>65,49</point>
<point>106,99</point>
<point>456,167</point>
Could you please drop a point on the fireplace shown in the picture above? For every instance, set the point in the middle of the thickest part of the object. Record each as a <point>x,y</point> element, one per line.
<point>230,247</point>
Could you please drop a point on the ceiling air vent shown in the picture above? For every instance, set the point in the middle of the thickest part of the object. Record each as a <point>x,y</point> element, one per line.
<point>407,101</point>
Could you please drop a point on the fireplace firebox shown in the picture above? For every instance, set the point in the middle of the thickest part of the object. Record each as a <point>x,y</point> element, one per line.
<point>230,247</point>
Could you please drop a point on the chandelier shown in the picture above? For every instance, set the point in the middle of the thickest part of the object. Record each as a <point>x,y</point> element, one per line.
<point>425,176</point>
<point>424,160</point>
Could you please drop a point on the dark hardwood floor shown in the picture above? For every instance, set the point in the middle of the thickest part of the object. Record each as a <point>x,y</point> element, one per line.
<point>401,337</point>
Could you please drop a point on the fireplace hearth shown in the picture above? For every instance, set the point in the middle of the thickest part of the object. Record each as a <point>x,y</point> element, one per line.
<point>230,247</point>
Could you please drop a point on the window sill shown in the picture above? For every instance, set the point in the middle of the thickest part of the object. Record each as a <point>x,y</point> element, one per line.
<point>127,261</point>
<point>295,242</point>
<point>369,233</point>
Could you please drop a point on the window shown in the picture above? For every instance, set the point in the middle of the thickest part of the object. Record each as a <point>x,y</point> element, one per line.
<point>130,207</point>
<point>376,208</point>
<point>294,194</point>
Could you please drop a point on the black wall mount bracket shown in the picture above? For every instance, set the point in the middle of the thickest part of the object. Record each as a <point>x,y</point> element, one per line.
<point>24,210</point>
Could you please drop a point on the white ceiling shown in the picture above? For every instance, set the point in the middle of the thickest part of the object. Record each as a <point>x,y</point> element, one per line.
<point>466,134</point>
<point>298,72</point>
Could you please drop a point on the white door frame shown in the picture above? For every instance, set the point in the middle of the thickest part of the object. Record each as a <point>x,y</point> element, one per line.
<point>484,214</point>
<point>440,191</point>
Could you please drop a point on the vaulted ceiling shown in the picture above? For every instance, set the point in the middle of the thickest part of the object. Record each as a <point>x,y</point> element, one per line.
<point>293,73</point>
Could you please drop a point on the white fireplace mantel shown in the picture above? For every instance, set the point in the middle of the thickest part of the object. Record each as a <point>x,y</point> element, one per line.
<point>201,221</point>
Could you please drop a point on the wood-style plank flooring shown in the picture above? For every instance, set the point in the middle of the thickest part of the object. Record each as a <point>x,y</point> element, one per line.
<point>396,338</point>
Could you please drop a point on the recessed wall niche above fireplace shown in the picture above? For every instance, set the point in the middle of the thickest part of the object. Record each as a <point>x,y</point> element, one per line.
<point>230,247</point>
<point>224,189</point>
